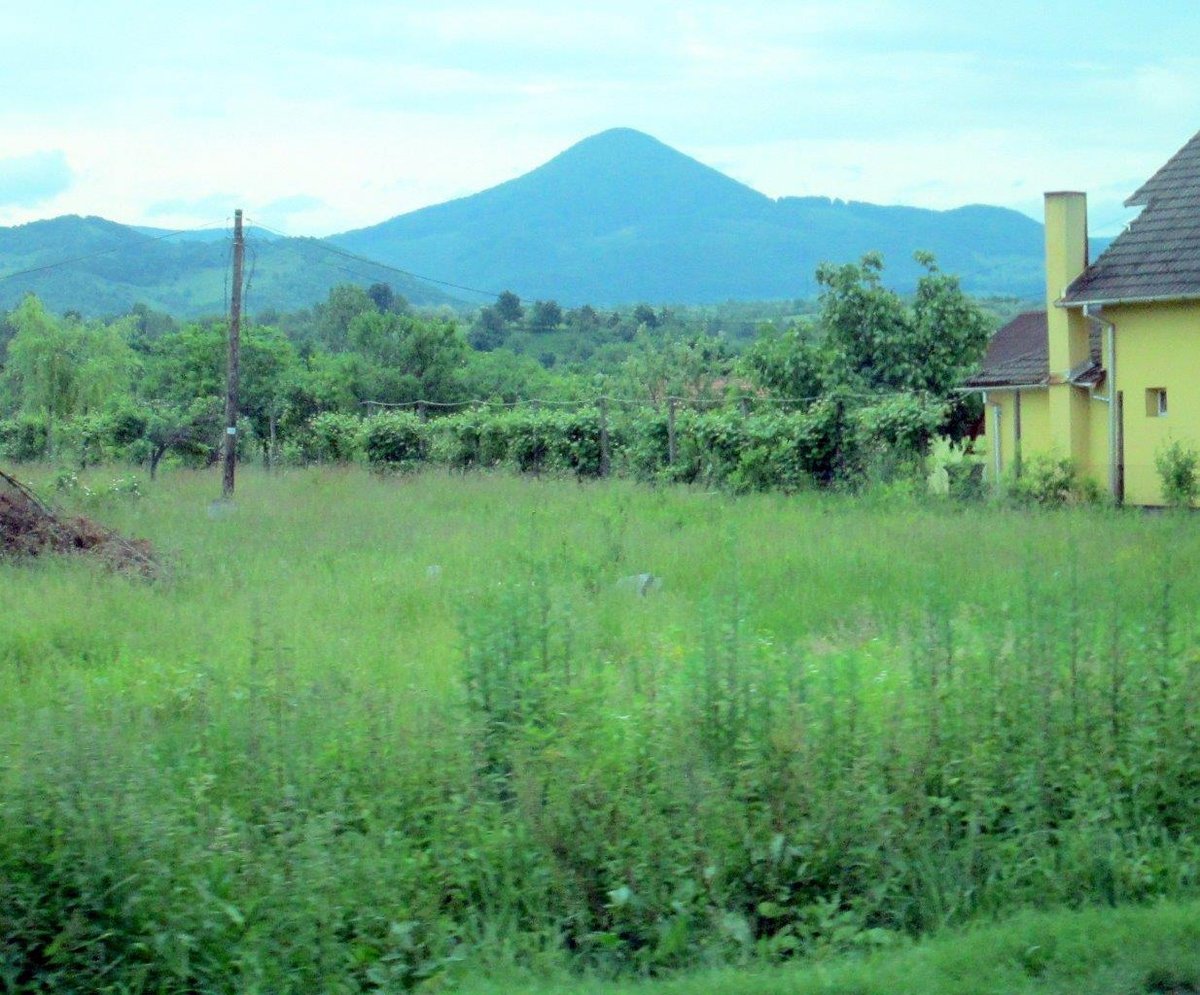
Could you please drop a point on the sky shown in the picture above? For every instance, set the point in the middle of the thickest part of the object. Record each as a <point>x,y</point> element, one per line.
<point>319,117</point>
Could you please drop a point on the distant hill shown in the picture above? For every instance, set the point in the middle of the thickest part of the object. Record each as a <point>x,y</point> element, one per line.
<point>618,218</point>
<point>621,217</point>
<point>99,267</point>
<point>206,234</point>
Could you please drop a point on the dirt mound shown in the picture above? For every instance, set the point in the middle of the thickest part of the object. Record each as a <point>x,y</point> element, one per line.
<point>30,528</point>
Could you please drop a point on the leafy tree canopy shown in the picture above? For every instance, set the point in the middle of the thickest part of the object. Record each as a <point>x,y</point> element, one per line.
<point>878,341</point>
<point>508,306</point>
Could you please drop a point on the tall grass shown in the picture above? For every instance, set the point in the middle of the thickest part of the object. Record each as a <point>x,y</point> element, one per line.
<point>372,732</point>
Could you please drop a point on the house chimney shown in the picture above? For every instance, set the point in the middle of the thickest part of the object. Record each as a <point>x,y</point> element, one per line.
<point>1066,258</point>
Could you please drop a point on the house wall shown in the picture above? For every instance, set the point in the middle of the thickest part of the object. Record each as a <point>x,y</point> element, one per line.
<point>1035,421</point>
<point>1158,346</point>
<point>1095,463</point>
<point>1035,427</point>
<point>1089,448</point>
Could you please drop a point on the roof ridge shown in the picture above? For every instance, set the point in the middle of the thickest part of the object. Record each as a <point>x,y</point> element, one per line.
<point>1157,257</point>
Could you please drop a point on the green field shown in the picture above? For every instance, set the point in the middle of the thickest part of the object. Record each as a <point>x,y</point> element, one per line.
<point>375,733</point>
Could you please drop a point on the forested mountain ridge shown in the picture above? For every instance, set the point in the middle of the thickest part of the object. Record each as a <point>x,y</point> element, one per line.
<point>618,218</point>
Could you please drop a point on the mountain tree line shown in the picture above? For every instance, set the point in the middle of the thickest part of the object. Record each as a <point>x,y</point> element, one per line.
<point>143,387</point>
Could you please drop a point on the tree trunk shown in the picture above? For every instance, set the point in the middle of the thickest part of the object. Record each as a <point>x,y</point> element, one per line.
<point>155,456</point>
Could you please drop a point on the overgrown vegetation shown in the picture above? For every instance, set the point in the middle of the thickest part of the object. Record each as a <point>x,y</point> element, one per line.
<point>379,731</point>
<point>1177,465</point>
<point>851,392</point>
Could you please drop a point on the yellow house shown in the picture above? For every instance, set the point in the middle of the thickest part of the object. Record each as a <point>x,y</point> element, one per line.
<point>1109,372</point>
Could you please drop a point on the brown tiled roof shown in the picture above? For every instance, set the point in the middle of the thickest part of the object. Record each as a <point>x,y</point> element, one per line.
<point>1158,255</point>
<point>1018,356</point>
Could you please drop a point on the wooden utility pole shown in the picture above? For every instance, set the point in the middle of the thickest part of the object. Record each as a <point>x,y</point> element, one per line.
<point>605,458</point>
<point>235,342</point>
<point>672,452</point>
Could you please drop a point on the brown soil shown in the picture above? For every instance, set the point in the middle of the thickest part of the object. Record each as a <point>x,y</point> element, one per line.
<point>29,528</point>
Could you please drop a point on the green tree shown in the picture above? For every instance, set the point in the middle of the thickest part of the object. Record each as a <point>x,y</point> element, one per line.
<point>191,366</point>
<point>504,376</point>
<point>545,317</point>
<point>333,316</point>
<point>39,372</point>
<point>107,365</point>
<point>150,325</point>
<point>386,300</point>
<point>508,306</point>
<point>57,367</point>
<point>410,358</point>
<point>644,314</point>
<point>192,430</point>
<point>584,320</point>
<point>1178,466</point>
<point>879,342</point>
<point>489,330</point>
<point>788,364</point>
<point>693,368</point>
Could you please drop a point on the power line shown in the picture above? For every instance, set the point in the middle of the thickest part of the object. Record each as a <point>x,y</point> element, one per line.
<point>638,402</point>
<point>104,252</point>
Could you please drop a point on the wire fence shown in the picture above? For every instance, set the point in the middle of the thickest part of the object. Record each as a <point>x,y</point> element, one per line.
<point>747,399</point>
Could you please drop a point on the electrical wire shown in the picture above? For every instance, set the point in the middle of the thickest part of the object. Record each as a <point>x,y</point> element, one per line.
<point>635,402</point>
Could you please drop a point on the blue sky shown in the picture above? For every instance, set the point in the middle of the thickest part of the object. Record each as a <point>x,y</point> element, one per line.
<point>317,117</point>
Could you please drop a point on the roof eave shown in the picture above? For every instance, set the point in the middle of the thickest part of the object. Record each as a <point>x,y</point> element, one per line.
<point>971,387</point>
<point>1112,301</point>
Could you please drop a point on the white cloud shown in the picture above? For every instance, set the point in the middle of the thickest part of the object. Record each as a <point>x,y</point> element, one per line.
<point>372,108</point>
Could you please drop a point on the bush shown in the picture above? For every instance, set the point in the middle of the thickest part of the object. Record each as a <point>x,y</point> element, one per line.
<point>647,445</point>
<point>575,442</point>
<point>125,426</point>
<point>291,454</point>
<point>23,438</point>
<point>903,424</point>
<point>456,441</point>
<point>1051,481</point>
<point>1177,470</point>
<point>336,438</point>
<point>85,438</point>
<point>394,440</point>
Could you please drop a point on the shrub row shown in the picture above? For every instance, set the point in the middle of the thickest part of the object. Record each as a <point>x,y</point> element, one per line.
<point>831,441</point>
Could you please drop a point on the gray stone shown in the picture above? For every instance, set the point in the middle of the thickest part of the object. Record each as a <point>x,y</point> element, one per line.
<point>640,584</point>
<point>221,508</point>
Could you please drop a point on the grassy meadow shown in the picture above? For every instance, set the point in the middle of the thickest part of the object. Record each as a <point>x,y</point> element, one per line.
<point>383,733</point>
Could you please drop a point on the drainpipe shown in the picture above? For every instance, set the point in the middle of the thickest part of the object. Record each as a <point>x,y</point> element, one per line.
<point>997,427</point>
<point>1110,337</point>
<point>993,436</point>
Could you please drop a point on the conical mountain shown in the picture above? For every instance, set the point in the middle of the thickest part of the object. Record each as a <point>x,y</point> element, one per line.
<point>621,217</point>
<point>598,187</point>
